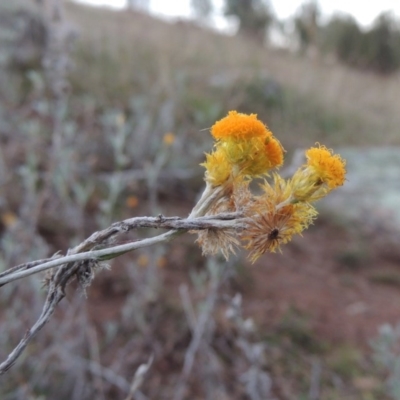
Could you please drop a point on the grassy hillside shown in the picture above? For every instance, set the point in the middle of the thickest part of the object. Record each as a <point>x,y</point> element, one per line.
<point>312,100</point>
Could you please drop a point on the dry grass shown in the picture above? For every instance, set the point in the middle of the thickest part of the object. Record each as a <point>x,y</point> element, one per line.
<point>166,52</point>
<point>373,98</point>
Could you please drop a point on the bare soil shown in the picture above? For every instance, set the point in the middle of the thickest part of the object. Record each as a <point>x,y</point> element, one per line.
<point>345,293</point>
<point>343,287</point>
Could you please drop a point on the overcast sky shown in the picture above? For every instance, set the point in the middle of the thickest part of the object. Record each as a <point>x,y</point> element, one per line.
<point>364,11</point>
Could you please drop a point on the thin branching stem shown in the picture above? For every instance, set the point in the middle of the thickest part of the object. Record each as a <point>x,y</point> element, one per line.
<point>98,247</point>
<point>179,226</point>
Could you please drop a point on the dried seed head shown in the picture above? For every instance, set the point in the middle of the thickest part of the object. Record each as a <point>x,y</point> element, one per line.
<point>214,240</point>
<point>268,231</point>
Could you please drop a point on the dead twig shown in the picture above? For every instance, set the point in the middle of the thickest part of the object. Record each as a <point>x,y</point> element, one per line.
<point>199,328</point>
<point>100,239</point>
<point>82,260</point>
<point>139,377</point>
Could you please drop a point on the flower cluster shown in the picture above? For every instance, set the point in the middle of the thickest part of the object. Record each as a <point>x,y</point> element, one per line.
<point>245,149</point>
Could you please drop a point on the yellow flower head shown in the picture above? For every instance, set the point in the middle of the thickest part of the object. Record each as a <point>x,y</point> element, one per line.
<point>239,126</point>
<point>329,168</point>
<point>273,194</point>
<point>322,173</point>
<point>252,157</point>
<point>218,168</point>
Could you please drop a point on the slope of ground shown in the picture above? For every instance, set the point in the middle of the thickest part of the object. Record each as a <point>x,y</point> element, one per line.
<point>208,56</point>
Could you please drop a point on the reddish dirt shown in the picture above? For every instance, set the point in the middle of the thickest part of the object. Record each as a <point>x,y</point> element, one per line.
<point>342,285</point>
<point>344,293</point>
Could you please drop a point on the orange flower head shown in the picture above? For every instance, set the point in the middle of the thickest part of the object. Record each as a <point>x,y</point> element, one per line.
<point>169,139</point>
<point>239,126</point>
<point>274,152</point>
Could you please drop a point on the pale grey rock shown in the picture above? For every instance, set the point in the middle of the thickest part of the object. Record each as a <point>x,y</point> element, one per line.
<point>371,193</point>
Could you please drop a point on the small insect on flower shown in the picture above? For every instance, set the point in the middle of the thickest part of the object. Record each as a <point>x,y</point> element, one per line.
<point>274,234</point>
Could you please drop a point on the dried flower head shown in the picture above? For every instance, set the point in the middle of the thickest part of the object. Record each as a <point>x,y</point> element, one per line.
<point>269,229</point>
<point>273,219</point>
<point>241,198</point>
<point>212,241</point>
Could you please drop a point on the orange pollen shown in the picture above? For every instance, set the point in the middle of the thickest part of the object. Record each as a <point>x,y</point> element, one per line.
<point>274,151</point>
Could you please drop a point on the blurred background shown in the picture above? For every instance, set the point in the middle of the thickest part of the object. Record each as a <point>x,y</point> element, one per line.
<point>104,115</point>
